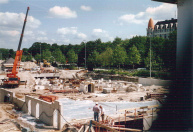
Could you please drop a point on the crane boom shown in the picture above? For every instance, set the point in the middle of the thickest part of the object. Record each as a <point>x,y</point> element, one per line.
<point>13,79</point>
<point>19,52</point>
<point>21,37</point>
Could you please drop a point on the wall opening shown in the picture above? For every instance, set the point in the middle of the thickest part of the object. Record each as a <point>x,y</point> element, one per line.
<point>89,88</point>
<point>29,107</point>
<point>37,110</point>
<point>55,118</point>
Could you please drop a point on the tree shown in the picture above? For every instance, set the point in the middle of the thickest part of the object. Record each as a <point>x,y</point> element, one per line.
<point>4,53</point>
<point>117,41</point>
<point>54,47</point>
<point>140,42</point>
<point>38,57</point>
<point>156,61</point>
<point>46,55</point>
<point>23,58</point>
<point>93,59</point>
<point>72,57</point>
<point>38,47</point>
<point>59,57</point>
<point>106,57</point>
<point>11,53</point>
<point>28,57</point>
<point>133,56</point>
<point>169,51</point>
<point>119,56</point>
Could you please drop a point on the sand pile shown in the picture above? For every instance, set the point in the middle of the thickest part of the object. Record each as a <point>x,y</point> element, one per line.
<point>69,74</point>
<point>26,76</point>
<point>29,65</point>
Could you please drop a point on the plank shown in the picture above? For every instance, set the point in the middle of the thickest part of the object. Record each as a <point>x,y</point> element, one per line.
<point>104,126</point>
<point>127,129</point>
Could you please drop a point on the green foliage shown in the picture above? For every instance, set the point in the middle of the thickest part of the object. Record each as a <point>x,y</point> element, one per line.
<point>72,56</point>
<point>140,42</point>
<point>119,56</point>
<point>140,73</point>
<point>58,56</point>
<point>125,53</point>
<point>169,51</point>
<point>38,57</point>
<point>93,59</point>
<point>38,47</point>
<point>106,57</point>
<point>11,53</point>
<point>156,61</point>
<point>117,41</point>
<point>4,53</point>
<point>23,58</point>
<point>155,74</point>
<point>28,57</point>
<point>46,55</point>
<point>133,56</point>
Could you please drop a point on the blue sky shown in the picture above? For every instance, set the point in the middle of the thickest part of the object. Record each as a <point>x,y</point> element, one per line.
<point>74,21</point>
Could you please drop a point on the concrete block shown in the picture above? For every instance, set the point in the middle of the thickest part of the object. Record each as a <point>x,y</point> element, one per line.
<point>107,90</point>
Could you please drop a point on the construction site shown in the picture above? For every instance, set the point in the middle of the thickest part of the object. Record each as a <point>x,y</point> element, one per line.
<point>40,97</point>
<point>49,98</point>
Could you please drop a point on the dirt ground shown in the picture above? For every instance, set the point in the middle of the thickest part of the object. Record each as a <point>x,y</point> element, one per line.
<point>7,123</point>
<point>98,96</point>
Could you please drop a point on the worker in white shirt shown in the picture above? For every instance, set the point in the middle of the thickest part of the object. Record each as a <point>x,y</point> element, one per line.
<point>102,113</point>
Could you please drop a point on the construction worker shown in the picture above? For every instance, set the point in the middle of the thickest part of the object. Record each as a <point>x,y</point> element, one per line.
<point>96,110</point>
<point>102,113</point>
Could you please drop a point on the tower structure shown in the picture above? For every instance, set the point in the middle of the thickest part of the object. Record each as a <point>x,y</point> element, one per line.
<point>161,28</point>
<point>150,28</point>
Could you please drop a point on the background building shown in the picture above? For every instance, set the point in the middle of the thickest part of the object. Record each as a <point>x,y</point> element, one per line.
<point>161,28</point>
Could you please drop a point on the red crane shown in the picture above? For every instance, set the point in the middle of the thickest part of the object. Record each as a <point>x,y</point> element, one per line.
<point>13,79</point>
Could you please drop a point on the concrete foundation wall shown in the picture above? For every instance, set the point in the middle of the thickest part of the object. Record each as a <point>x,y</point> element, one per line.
<point>49,113</point>
<point>4,92</point>
<point>42,75</point>
<point>46,109</point>
<point>149,82</point>
<point>147,122</point>
<point>20,103</point>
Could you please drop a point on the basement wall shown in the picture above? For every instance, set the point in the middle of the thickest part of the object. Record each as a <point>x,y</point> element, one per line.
<point>149,82</point>
<point>50,113</point>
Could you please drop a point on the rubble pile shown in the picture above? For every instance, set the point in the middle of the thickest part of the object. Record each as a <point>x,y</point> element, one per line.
<point>29,65</point>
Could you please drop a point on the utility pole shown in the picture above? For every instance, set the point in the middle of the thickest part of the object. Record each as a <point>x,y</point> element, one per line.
<point>150,56</point>
<point>85,53</point>
<point>40,55</point>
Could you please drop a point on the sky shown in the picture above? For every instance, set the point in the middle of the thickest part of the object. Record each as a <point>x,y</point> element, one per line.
<point>75,21</point>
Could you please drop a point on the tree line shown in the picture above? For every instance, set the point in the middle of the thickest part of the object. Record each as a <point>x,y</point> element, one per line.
<point>128,53</point>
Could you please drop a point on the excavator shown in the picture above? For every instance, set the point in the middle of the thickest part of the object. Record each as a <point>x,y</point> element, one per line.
<point>12,79</point>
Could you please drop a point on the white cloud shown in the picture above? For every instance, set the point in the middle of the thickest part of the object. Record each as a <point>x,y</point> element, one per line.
<point>67,30</point>
<point>85,8</point>
<point>10,33</point>
<point>99,33</point>
<point>130,18</point>
<point>42,33</point>
<point>62,12</point>
<point>132,35</point>
<point>4,1</point>
<point>81,35</point>
<point>15,20</point>
<point>162,12</point>
<point>32,22</point>
<point>42,39</point>
<point>71,32</point>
